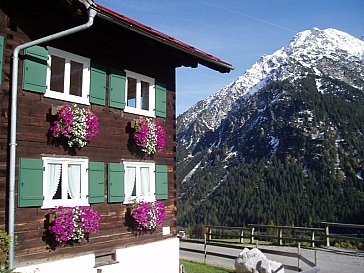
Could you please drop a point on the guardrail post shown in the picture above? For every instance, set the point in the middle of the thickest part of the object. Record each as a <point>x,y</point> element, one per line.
<point>315,258</point>
<point>313,239</point>
<point>252,235</point>
<point>242,236</point>
<point>299,256</point>
<point>207,232</point>
<point>205,249</point>
<point>327,234</point>
<point>280,235</point>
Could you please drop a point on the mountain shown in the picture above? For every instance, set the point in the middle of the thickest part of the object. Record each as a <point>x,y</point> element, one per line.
<point>283,143</point>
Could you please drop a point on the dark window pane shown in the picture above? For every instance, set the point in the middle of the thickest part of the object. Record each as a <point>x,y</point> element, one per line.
<point>145,96</point>
<point>76,79</point>
<point>57,74</point>
<point>132,83</point>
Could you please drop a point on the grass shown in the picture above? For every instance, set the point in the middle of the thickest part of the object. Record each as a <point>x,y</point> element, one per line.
<point>194,267</point>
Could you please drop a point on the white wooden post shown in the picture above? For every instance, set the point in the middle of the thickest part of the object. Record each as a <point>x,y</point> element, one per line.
<point>252,235</point>
<point>280,235</point>
<point>327,233</point>
<point>313,239</point>
<point>242,236</point>
<point>207,232</point>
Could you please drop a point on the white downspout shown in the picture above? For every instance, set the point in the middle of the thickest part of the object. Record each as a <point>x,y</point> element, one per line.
<point>14,92</point>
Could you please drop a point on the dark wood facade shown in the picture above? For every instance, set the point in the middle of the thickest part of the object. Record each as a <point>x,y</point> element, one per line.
<point>113,47</point>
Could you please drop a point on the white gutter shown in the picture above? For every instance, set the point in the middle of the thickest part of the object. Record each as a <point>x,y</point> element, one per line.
<point>14,92</point>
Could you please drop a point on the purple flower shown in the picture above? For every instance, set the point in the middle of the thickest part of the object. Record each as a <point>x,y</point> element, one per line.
<point>77,126</point>
<point>149,135</point>
<point>148,215</point>
<point>73,223</point>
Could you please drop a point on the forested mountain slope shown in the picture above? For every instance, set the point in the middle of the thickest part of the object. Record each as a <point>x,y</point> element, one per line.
<point>283,143</point>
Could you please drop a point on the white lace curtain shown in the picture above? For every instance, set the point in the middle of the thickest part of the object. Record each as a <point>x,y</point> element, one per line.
<point>144,177</point>
<point>131,181</point>
<point>74,181</point>
<point>54,174</point>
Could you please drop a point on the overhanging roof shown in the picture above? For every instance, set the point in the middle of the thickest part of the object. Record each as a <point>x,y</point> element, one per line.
<point>201,57</point>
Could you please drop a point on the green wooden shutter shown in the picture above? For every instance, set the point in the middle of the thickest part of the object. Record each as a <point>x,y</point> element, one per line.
<point>96,176</point>
<point>97,84</point>
<point>161,182</point>
<point>116,191</point>
<point>160,100</point>
<point>117,82</point>
<point>1,58</point>
<point>35,69</point>
<point>30,182</point>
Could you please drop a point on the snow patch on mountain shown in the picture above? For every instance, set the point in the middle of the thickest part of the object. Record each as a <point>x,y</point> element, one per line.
<point>307,49</point>
<point>188,176</point>
<point>274,142</point>
<point>328,42</point>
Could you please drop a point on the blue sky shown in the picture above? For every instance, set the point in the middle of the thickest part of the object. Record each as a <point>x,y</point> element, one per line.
<point>236,31</point>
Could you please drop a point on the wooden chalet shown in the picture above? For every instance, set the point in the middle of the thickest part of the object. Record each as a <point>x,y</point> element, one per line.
<point>120,70</point>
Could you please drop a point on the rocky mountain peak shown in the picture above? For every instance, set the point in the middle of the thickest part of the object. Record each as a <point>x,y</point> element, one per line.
<point>311,50</point>
<point>287,137</point>
<point>325,42</point>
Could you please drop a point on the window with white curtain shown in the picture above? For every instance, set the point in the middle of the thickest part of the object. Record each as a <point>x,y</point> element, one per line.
<point>139,181</point>
<point>65,182</point>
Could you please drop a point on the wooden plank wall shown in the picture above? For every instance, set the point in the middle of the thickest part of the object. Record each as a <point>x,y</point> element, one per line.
<point>109,146</point>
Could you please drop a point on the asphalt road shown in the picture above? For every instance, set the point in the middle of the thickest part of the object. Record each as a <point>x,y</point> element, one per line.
<point>328,260</point>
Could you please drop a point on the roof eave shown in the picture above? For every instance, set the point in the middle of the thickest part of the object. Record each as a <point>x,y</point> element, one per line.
<point>204,58</point>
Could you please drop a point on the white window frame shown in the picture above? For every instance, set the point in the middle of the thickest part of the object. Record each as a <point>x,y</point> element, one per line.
<point>51,203</point>
<point>139,197</point>
<point>137,110</point>
<point>66,96</point>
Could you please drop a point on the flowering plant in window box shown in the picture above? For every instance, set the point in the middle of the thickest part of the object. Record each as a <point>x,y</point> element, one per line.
<point>77,126</point>
<point>149,135</point>
<point>148,215</point>
<point>72,224</point>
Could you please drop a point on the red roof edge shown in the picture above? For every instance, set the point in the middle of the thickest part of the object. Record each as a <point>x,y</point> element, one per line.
<point>146,30</point>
